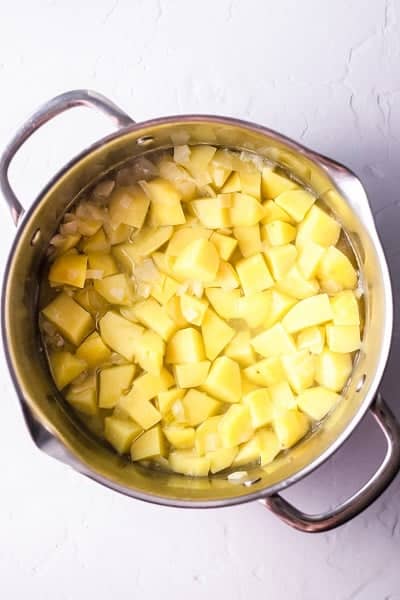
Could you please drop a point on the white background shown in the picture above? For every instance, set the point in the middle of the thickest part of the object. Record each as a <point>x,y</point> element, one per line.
<point>325,73</point>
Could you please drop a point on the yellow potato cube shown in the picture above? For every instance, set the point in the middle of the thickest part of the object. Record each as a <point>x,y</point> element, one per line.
<point>345,308</point>
<point>128,205</point>
<point>164,289</point>
<point>165,205</point>
<point>318,227</point>
<point>221,459</point>
<point>343,338</point>
<point>166,399</point>
<point>121,432</point>
<point>248,454</point>
<point>296,203</point>
<point>332,369</point>
<point>179,436</point>
<point>336,272</point>
<point>155,317</point>
<point>113,382</point>
<point>312,339</point>
<point>273,184</point>
<point>199,260</point>
<point>299,369</point>
<point>260,406</point>
<point>150,352</point>
<point>226,277</point>
<point>139,408</point>
<point>65,367</point>
<point>198,407</point>
<point>272,212</point>
<point>98,261</point>
<point>148,386</point>
<point>207,437</point>
<point>184,236</point>
<point>69,269</point>
<point>91,301</point>
<point>120,335</point>
<point>224,380</point>
<point>282,397</point>
<point>266,372</point>
<point>308,312</point>
<point>173,308</point>
<point>191,374</point>
<point>185,346</point>
<point>179,178</point>
<point>240,350</point>
<point>218,174</point>
<point>250,182</point>
<point>273,342</point>
<point>216,334</point>
<point>147,241</point>
<point>294,284</point>
<point>310,255</point>
<point>281,259</point>
<point>290,427</point>
<point>278,233</point>
<point>149,445</point>
<point>245,210</point>
<point>317,402</point>
<point>119,234</point>
<point>83,400</point>
<point>233,184</point>
<point>66,242</point>
<point>93,350</point>
<point>193,310</point>
<point>187,463</point>
<point>224,302</point>
<point>73,322</point>
<point>96,243</point>
<point>279,304</point>
<point>210,213</point>
<point>249,239</point>
<point>235,426</point>
<point>224,244</point>
<point>198,162</point>
<point>116,289</point>
<point>268,444</point>
<point>254,274</point>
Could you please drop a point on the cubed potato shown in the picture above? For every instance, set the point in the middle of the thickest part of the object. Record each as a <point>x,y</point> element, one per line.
<point>166,399</point>
<point>193,309</point>
<point>150,352</point>
<point>260,406</point>
<point>343,338</point>
<point>69,269</point>
<point>224,244</point>
<point>224,380</point>
<point>96,243</point>
<point>278,233</point>
<point>296,203</point>
<point>336,272</point>
<point>199,260</point>
<point>91,301</point>
<point>312,339</point>
<point>113,382</point>
<point>187,463</point>
<point>139,408</point>
<point>179,178</point>
<point>273,342</point>
<point>191,374</point>
<point>268,444</point>
<point>150,444</point>
<point>240,350</point>
<point>290,427</point>
<point>211,213</point>
<point>164,289</point>
<point>279,304</point>
<point>65,243</point>
<point>147,241</point>
<point>97,261</point>
<point>226,277</point>
<point>250,182</point>
<point>65,367</point>
<point>148,386</point>
<point>198,407</point>
<point>120,335</point>
<point>121,432</point>
<point>198,163</point>
<point>117,234</point>
<point>245,210</point>
<point>272,212</point>
<point>216,334</point>
<point>248,454</point>
<point>116,289</point>
<point>207,437</point>
<point>254,274</point>
<point>185,346</point>
<point>165,205</point>
<point>173,308</point>
<point>265,372</point>
<point>345,308</point>
<point>235,426</point>
<point>83,400</point>
<point>221,459</point>
<point>254,309</point>
<point>299,369</point>
<point>93,350</point>
<point>249,239</point>
<point>307,313</point>
<point>273,184</point>
<point>224,302</point>
<point>333,369</point>
<point>282,397</point>
<point>155,317</point>
<point>294,284</point>
<point>128,205</point>
<point>88,226</point>
<point>179,436</point>
<point>318,227</point>
<point>222,159</point>
<point>184,236</point>
<point>310,255</point>
<point>73,322</point>
<point>317,402</point>
<point>218,175</point>
<point>281,259</point>
<point>232,184</point>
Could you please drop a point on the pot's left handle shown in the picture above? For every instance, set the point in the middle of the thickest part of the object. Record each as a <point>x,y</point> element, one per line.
<point>45,113</point>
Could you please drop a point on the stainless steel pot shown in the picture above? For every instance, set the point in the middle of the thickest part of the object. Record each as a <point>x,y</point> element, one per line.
<point>54,429</point>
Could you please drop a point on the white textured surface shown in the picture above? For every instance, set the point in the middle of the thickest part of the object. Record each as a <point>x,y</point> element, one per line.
<point>326,73</point>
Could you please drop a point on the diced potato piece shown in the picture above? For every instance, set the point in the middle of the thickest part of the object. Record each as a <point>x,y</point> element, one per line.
<point>93,350</point>
<point>102,262</point>
<point>119,234</point>
<point>139,408</point>
<point>224,244</point>
<point>250,182</point>
<point>268,444</point>
<point>165,207</point>
<point>179,178</point>
<point>266,372</point>
<point>260,406</point>
<point>221,459</point>
<point>333,369</point>
<point>193,309</point>
<point>191,374</point>
<point>278,233</point>
<point>249,453</point>
<point>87,226</point>
<point>282,397</point>
<point>148,386</point>
<point>187,463</point>
<point>66,242</point>
<point>312,339</point>
<point>199,260</point>
<point>164,289</point>
<point>207,437</point>
<point>210,213</point>
<point>185,346</point>
<point>198,407</point>
<point>129,205</point>
<point>278,306</point>
<point>116,289</point>
<point>345,308</point>
<point>91,301</point>
<point>318,227</point>
<point>281,259</point>
<point>150,352</point>
<point>218,175</point>
<point>199,160</point>
<point>235,426</point>
<point>343,338</point>
<point>216,334</point>
<point>233,184</point>
<point>83,400</point>
<point>224,302</point>
<point>272,212</point>
<point>65,367</point>
<point>308,312</point>
<point>316,402</point>
<point>155,317</point>
<point>73,322</point>
<point>96,243</point>
<point>150,444</point>
<point>147,241</point>
<point>182,237</point>
<point>294,284</point>
<point>173,308</point>
<point>254,274</point>
<point>166,399</point>
<point>245,210</point>
<point>120,433</point>
<point>300,370</point>
<point>113,382</point>
<point>224,380</point>
<point>179,436</point>
<point>296,203</point>
<point>273,342</point>
<point>240,350</point>
<point>226,277</point>
<point>69,269</point>
<point>273,184</point>
<point>290,427</point>
<point>120,334</point>
<point>309,258</point>
<point>249,239</point>
<point>336,272</point>
<point>254,309</point>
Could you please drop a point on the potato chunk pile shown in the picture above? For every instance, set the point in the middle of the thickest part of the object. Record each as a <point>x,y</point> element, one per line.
<point>201,313</point>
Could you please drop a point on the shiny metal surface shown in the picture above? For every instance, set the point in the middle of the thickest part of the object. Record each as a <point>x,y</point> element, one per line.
<point>49,417</point>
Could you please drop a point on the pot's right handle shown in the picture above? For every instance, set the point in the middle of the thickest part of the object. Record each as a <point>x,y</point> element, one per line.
<point>363,497</point>
<point>45,113</point>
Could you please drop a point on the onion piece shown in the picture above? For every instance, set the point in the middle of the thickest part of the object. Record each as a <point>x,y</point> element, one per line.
<point>104,188</point>
<point>68,228</point>
<point>182,154</point>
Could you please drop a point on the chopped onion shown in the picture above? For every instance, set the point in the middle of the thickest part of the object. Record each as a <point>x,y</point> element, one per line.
<point>237,475</point>
<point>69,216</point>
<point>49,328</point>
<point>126,176</point>
<point>182,154</point>
<point>143,168</point>
<point>57,240</point>
<point>180,137</point>
<point>104,188</point>
<point>94,274</point>
<point>68,228</point>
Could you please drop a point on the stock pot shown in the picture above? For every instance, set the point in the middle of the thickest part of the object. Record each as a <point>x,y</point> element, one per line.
<point>52,425</point>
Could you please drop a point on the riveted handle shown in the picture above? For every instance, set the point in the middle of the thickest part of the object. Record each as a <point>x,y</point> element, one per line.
<point>45,113</point>
<point>359,501</point>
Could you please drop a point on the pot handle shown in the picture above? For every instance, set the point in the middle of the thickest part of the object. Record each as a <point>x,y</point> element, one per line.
<point>359,501</point>
<point>45,113</point>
